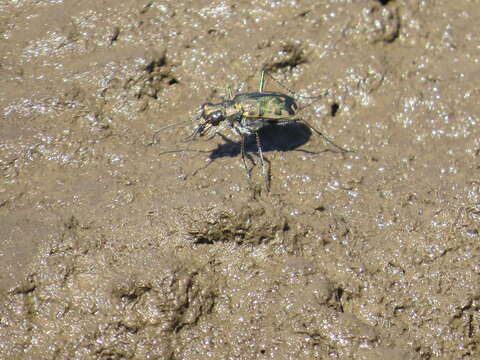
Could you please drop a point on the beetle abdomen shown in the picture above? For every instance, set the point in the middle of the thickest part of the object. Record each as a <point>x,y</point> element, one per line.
<point>269,105</point>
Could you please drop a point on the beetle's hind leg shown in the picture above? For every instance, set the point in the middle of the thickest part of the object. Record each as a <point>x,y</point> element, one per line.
<point>318,132</point>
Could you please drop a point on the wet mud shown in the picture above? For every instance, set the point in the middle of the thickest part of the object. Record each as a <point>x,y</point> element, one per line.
<point>120,241</point>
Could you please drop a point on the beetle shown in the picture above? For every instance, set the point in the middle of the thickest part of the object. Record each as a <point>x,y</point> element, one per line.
<point>247,113</point>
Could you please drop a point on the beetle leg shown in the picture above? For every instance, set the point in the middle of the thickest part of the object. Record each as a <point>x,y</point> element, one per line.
<point>318,132</point>
<point>324,137</point>
<point>242,152</point>
<point>262,81</point>
<point>260,152</point>
<point>230,93</point>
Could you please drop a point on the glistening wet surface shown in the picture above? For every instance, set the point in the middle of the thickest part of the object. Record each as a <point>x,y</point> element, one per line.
<point>115,244</point>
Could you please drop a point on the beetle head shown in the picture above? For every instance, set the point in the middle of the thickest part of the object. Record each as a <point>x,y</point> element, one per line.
<point>213,114</point>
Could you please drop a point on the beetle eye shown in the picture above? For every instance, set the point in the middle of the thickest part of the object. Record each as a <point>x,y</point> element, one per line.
<point>215,118</point>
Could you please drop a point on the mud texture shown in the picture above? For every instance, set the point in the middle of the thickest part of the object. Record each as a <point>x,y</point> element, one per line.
<point>116,243</point>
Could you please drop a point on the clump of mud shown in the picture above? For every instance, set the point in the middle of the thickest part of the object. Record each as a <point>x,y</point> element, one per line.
<point>250,225</point>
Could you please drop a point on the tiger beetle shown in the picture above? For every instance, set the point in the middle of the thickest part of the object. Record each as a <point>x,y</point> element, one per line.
<point>247,113</point>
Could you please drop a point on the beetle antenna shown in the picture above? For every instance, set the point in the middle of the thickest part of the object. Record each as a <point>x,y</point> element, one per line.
<point>182,151</point>
<point>155,134</point>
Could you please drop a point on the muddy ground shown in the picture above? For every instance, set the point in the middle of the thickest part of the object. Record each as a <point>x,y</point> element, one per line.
<point>116,244</point>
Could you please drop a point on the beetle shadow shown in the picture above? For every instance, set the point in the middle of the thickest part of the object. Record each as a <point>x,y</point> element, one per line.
<point>284,137</point>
